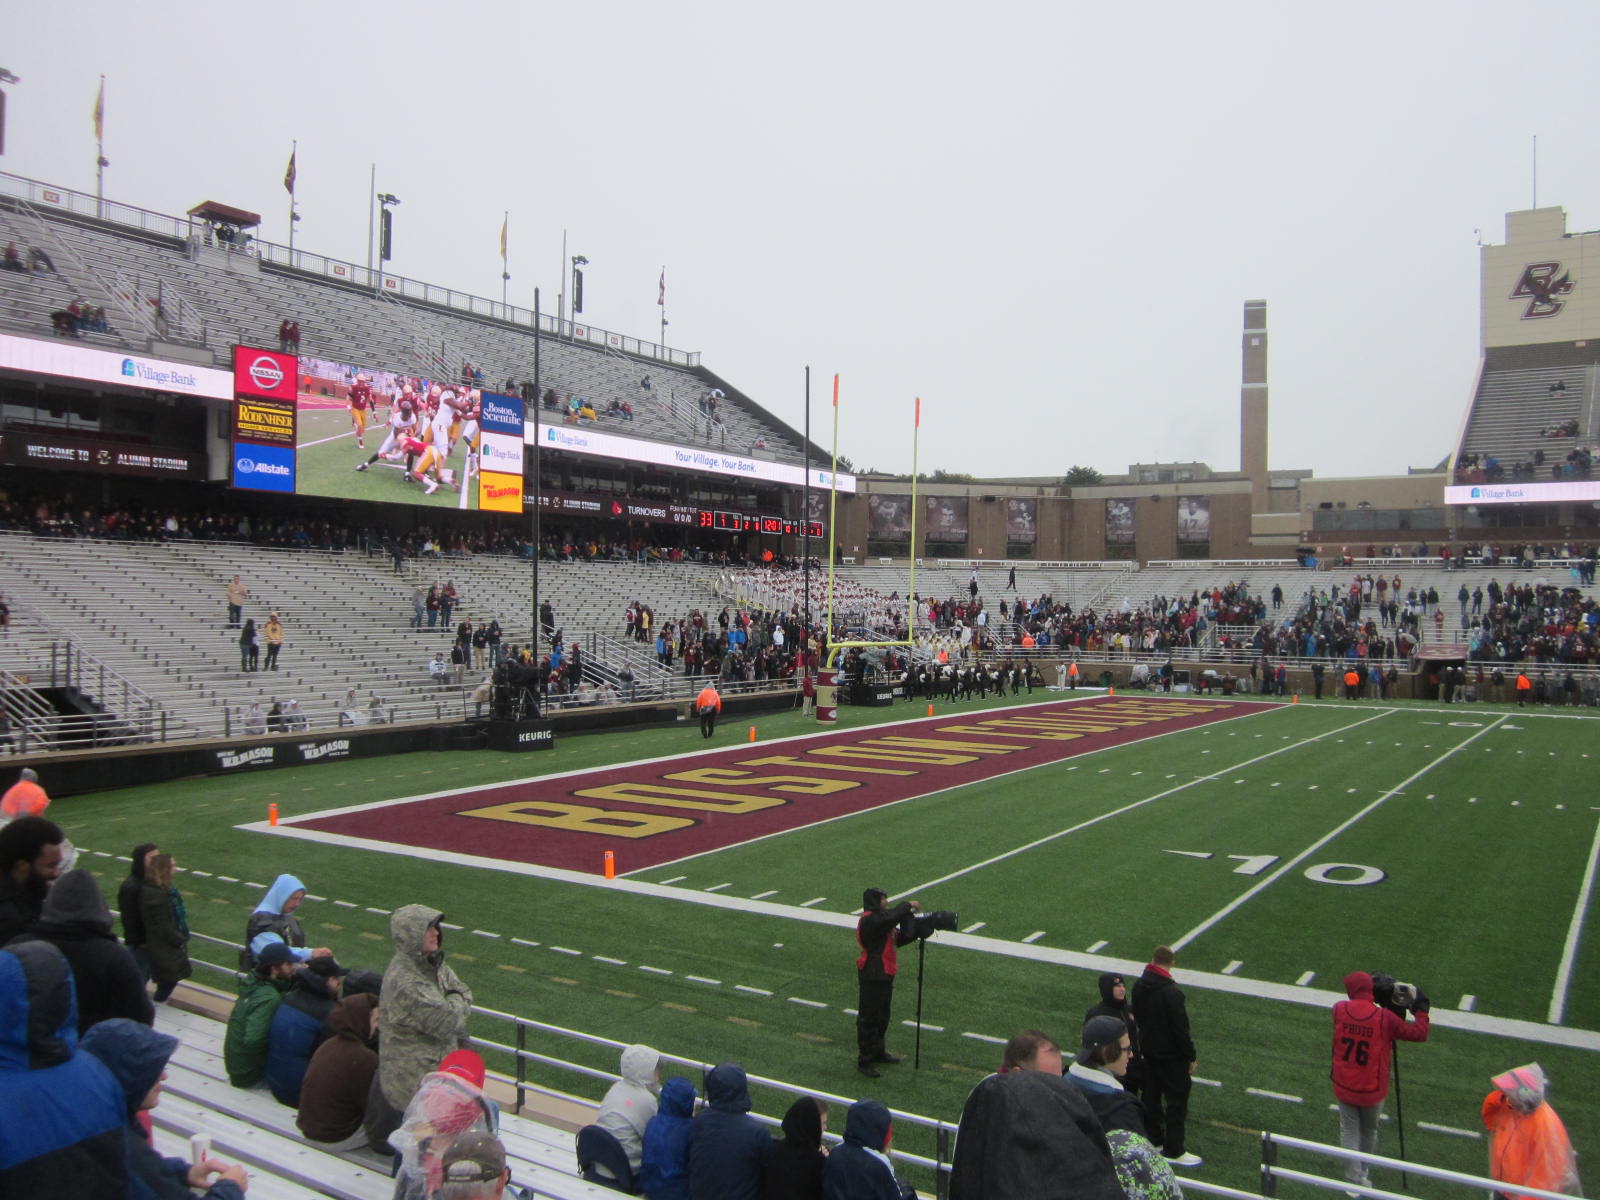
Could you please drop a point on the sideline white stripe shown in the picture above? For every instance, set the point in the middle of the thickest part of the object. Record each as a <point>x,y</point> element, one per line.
<point>1450,1129</point>
<point>1569,952</point>
<point>1127,808</point>
<point>1250,893</point>
<point>984,1037</point>
<point>1284,1096</point>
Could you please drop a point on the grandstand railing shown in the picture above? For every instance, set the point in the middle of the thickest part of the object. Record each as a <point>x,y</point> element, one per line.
<point>128,713</point>
<point>516,1048</point>
<point>336,270</point>
<point>1271,1172</point>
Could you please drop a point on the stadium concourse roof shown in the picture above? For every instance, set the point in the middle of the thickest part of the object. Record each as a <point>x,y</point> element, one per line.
<point>210,210</point>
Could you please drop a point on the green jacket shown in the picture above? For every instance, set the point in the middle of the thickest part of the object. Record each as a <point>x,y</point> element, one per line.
<point>244,1049</point>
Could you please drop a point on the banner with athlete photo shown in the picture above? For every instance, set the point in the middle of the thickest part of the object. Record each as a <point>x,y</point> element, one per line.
<point>888,517</point>
<point>1022,524</point>
<point>944,518</point>
<point>1194,519</point>
<point>1119,523</point>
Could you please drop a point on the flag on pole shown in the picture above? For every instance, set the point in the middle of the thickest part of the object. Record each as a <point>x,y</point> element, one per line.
<point>661,293</point>
<point>919,413</point>
<point>505,228</point>
<point>100,112</point>
<point>289,174</point>
<point>836,391</point>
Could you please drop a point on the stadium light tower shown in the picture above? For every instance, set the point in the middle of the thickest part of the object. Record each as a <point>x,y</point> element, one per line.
<point>5,77</point>
<point>578,263</point>
<point>386,200</point>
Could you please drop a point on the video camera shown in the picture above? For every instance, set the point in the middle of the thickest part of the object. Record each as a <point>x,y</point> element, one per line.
<point>925,925</point>
<point>1399,998</point>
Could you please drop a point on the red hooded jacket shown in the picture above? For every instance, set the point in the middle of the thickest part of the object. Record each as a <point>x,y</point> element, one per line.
<point>1362,1035</point>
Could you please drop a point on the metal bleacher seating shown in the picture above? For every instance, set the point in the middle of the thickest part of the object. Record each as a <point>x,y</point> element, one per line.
<point>249,1126</point>
<point>1516,404</point>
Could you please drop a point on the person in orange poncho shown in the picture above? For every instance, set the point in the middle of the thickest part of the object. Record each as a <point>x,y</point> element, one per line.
<point>1528,1144</point>
<point>707,705</point>
<point>24,798</point>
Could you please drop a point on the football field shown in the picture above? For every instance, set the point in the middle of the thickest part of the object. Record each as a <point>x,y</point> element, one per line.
<point>1276,846</point>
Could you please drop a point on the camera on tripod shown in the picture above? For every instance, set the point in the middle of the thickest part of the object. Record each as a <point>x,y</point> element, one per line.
<point>1388,992</point>
<point>925,925</point>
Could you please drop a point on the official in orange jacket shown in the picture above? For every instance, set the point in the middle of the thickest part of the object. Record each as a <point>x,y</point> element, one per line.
<point>708,704</point>
<point>24,798</point>
<point>1528,1144</point>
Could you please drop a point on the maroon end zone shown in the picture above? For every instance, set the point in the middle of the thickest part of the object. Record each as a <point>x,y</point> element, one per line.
<point>671,808</point>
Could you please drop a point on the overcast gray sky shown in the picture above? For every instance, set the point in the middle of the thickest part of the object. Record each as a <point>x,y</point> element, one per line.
<point>1044,219</point>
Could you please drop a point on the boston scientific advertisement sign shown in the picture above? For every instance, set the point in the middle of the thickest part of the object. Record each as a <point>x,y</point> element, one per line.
<point>576,439</point>
<point>69,361</point>
<point>1573,491</point>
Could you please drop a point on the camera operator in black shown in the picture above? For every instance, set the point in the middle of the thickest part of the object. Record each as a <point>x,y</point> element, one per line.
<point>880,931</point>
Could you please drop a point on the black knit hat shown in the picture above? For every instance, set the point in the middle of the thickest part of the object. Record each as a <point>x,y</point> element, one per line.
<point>1099,1032</point>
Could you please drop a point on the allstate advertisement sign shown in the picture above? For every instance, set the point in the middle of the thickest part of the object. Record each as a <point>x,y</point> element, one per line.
<point>263,468</point>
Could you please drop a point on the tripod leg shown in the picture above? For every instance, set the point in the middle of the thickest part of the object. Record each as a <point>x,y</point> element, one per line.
<point>1399,1108</point>
<point>916,1058</point>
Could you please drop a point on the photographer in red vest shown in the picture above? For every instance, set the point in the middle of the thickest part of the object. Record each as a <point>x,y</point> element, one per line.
<point>879,931</point>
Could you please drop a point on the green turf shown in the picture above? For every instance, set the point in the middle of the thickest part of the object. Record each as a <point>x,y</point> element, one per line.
<point>1481,872</point>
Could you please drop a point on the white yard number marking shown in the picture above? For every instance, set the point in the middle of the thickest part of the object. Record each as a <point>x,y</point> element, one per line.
<point>1252,864</point>
<point>1323,873</point>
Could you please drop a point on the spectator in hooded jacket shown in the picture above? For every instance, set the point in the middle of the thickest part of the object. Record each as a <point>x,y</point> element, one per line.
<point>727,1145</point>
<point>793,1169</point>
<point>70,1143</point>
<point>105,978</point>
<point>128,906</point>
<point>1528,1144</point>
<point>1114,1003</point>
<point>664,1164</point>
<point>1027,1135</point>
<point>859,1167</point>
<point>631,1102</point>
<point>274,921</point>
<point>30,859</point>
<point>425,1008</point>
<point>136,1056</point>
<point>299,1025</point>
<point>333,1094</point>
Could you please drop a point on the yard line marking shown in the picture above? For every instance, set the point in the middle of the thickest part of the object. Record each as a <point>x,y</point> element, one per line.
<point>227,879</point>
<point>1098,946</point>
<point>674,879</point>
<point>615,962</point>
<point>1467,1003</point>
<point>754,991</point>
<point>103,854</point>
<point>974,927</point>
<point>1033,937</point>
<point>384,912</point>
<point>984,1037</point>
<point>345,904</point>
<point>192,870</point>
<point>1569,952</point>
<point>248,883</point>
<point>761,895</point>
<point>925,1025</point>
<point>565,950</point>
<point>850,1012</point>
<point>703,979</point>
<point>1450,1129</point>
<point>716,887</point>
<point>809,903</point>
<point>1290,864</point>
<point>523,942</point>
<point>807,1003</point>
<point>656,970</point>
<point>442,924</point>
<point>1205,1082</point>
<point>1284,1096</point>
<point>1304,979</point>
<point>1127,808</point>
<point>485,933</point>
<point>1232,967</point>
